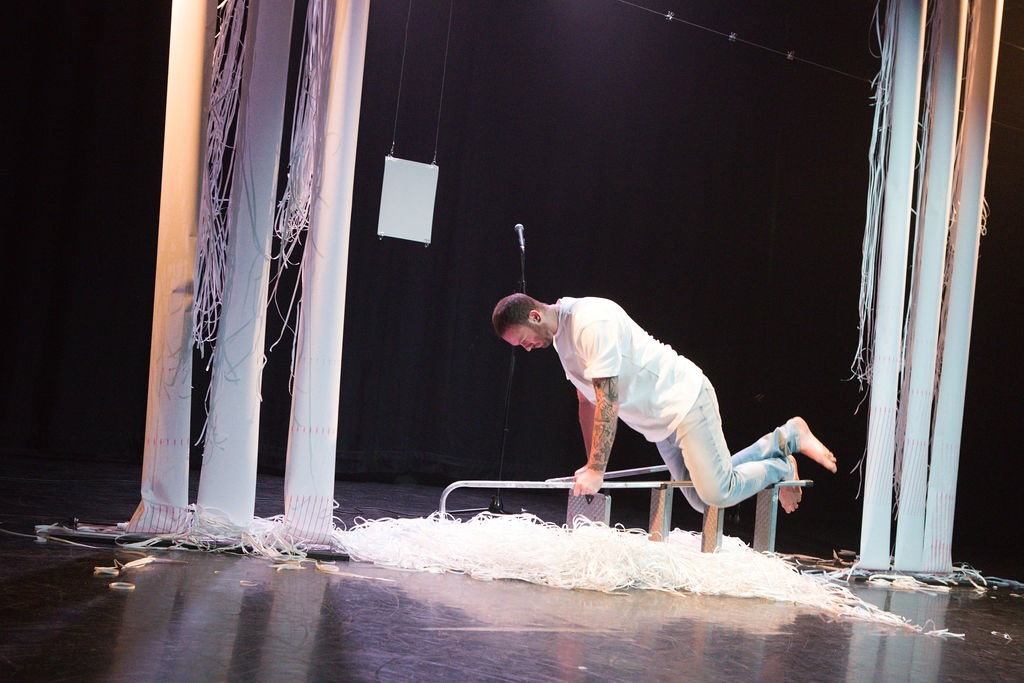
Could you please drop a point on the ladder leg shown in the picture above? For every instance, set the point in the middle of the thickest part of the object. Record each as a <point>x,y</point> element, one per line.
<point>661,513</point>
<point>711,535</point>
<point>765,518</point>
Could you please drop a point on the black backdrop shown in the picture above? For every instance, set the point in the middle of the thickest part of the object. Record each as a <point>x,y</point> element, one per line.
<point>713,187</point>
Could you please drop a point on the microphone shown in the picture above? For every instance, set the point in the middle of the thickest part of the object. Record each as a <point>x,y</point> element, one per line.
<point>519,231</point>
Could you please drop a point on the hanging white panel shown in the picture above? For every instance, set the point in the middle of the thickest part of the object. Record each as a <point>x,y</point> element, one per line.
<point>947,31</point>
<point>407,200</point>
<point>164,504</point>
<point>887,359</point>
<point>313,436</point>
<point>227,485</point>
<point>949,409</point>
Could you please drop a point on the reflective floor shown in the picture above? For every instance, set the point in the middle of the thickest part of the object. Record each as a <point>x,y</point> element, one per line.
<point>199,616</point>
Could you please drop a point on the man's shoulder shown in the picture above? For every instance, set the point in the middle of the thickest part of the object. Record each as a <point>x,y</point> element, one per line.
<point>597,319</point>
<point>596,307</point>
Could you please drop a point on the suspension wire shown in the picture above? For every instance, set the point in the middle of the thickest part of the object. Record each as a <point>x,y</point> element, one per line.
<point>734,38</point>
<point>444,73</point>
<point>401,76</point>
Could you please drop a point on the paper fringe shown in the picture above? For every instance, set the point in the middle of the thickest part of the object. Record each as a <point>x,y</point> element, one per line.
<point>272,537</point>
<point>593,556</point>
<point>212,237</point>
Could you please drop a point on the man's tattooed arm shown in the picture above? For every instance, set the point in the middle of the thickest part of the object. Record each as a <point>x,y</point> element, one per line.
<point>606,420</point>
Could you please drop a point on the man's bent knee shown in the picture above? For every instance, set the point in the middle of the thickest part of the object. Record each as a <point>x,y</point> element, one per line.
<point>716,497</point>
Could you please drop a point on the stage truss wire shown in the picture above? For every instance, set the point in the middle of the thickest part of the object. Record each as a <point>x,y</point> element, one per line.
<point>734,37</point>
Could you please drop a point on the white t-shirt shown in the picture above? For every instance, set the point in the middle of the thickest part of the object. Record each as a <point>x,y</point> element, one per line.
<point>657,386</point>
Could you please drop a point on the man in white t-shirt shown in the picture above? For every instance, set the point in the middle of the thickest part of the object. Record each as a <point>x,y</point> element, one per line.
<point>621,371</point>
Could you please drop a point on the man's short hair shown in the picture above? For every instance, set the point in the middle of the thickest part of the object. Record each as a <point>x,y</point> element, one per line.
<point>514,309</point>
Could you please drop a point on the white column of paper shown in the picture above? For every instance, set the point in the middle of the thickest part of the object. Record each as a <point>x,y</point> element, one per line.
<point>164,504</point>
<point>312,442</point>
<point>227,485</point>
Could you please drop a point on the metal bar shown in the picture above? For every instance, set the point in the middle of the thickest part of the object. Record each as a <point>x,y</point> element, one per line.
<point>559,484</point>
<point>617,474</point>
<point>498,484</point>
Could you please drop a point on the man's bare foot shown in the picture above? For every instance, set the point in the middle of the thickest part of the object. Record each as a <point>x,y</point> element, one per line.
<point>812,447</point>
<point>789,496</point>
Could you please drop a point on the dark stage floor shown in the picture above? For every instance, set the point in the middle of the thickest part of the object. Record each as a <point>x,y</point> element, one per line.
<point>200,616</point>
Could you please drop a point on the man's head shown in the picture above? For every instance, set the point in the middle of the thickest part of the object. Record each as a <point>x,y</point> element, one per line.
<point>523,321</point>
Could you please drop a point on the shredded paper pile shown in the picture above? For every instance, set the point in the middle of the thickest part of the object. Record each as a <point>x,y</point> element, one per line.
<point>594,556</point>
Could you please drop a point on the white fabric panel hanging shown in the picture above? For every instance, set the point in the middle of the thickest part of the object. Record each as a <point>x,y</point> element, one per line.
<point>164,504</point>
<point>949,410</point>
<point>227,485</point>
<point>887,358</point>
<point>947,38</point>
<point>312,442</point>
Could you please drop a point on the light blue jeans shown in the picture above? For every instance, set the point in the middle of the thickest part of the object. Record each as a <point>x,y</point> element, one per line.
<point>697,452</point>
